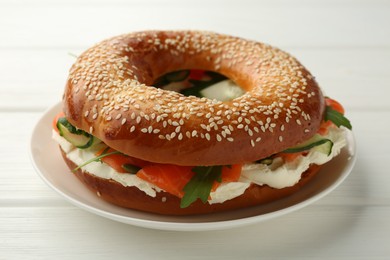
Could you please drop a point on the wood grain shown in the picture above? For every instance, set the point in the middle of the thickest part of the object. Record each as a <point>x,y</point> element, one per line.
<point>345,44</point>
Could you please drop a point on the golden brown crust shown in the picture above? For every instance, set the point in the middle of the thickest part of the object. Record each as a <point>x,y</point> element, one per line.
<point>109,94</point>
<point>167,204</point>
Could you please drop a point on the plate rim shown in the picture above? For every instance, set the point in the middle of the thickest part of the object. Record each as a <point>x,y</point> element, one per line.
<point>189,226</point>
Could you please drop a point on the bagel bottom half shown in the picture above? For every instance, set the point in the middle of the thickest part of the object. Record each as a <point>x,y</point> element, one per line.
<point>167,204</point>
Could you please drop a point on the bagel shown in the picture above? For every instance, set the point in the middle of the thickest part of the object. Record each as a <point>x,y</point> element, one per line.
<point>111,96</point>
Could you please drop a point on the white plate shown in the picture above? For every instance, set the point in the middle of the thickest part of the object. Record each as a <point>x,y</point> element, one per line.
<point>47,161</point>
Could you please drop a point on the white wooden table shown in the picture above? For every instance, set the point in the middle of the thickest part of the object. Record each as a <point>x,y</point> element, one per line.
<point>345,44</point>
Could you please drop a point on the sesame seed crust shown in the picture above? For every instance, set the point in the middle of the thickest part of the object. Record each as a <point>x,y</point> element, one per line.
<point>110,88</point>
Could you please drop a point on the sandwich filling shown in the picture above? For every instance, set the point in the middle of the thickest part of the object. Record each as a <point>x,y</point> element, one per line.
<point>279,173</point>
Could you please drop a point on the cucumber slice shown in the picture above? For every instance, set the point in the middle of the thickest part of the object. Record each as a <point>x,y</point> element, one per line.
<point>317,142</point>
<point>223,91</point>
<point>75,136</point>
<point>266,161</point>
<point>65,123</point>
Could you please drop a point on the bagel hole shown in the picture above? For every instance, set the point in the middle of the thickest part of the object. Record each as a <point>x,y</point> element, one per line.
<point>200,83</point>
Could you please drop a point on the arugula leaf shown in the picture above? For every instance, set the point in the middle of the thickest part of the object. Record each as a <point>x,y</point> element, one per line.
<point>199,85</point>
<point>337,118</point>
<point>97,158</point>
<point>199,187</point>
<point>175,76</point>
<point>196,85</point>
<point>130,168</point>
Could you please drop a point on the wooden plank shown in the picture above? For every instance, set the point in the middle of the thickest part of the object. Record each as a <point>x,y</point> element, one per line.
<point>301,23</point>
<point>345,44</point>
<point>313,232</point>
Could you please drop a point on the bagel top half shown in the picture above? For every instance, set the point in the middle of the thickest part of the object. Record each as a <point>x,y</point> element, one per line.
<point>110,94</point>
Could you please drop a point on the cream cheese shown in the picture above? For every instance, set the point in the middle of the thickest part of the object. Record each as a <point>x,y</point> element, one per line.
<point>277,175</point>
<point>280,175</point>
<point>79,156</point>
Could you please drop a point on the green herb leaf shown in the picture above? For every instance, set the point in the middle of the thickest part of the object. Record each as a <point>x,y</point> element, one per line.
<point>96,159</point>
<point>175,76</point>
<point>337,118</point>
<point>199,187</point>
<point>130,168</point>
<point>199,85</point>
